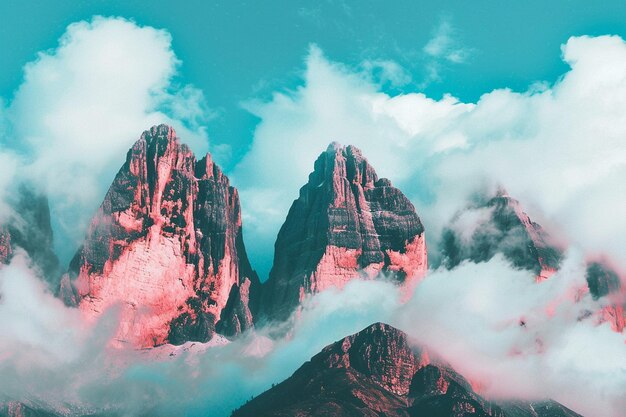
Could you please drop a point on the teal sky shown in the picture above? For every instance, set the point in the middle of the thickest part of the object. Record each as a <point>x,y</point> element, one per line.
<point>235,51</point>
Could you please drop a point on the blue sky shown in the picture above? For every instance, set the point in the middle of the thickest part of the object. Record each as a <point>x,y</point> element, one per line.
<point>234,51</point>
<point>513,92</point>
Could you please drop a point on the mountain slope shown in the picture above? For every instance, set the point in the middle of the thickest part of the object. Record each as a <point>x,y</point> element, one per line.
<point>376,372</point>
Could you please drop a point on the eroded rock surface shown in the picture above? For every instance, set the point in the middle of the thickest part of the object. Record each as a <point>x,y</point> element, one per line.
<point>346,223</point>
<point>165,247</point>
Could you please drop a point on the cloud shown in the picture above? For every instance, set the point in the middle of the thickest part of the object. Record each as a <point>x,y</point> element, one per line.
<point>441,49</point>
<point>469,316</point>
<point>443,44</point>
<point>517,338</point>
<point>559,148</point>
<point>82,104</point>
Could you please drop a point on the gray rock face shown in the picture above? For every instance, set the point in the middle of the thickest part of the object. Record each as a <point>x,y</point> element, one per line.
<point>29,228</point>
<point>499,225</point>
<point>167,245</point>
<point>601,280</point>
<point>377,373</point>
<point>346,223</point>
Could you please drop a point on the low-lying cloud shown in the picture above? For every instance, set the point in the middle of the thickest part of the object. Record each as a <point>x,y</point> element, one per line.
<point>493,323</point>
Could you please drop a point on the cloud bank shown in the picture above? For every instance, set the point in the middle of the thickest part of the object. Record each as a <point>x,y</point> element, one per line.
<point>494,324</point>
<point>82,104</point>
<point>560,148</point>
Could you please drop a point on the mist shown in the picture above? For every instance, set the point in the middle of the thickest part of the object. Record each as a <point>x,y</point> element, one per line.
<point>493,323</point>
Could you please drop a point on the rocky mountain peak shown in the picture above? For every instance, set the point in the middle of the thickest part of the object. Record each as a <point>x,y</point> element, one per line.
<point>499,225</point>
<point>166,245</point>
<point>346,223</point>
<point>377,372</point>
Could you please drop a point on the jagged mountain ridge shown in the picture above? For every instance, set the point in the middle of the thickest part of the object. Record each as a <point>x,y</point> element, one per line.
<point>377,372</point>
<point>346,223</point>
<point>167,245</point>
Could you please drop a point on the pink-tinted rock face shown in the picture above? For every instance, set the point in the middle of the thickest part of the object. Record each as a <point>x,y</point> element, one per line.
<point>346,223</point>
<point>166,247</point>
<point>499,225</point>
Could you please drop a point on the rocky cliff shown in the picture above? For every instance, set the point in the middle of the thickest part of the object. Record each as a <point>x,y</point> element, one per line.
<point>377,372</point>
<point>28,227</point>
<point>166,247</point>
<point>346,223</point>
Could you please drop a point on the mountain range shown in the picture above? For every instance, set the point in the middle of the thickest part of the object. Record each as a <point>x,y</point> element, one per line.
<point>165,254</point>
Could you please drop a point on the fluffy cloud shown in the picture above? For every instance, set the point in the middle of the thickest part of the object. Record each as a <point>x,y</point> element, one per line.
<point>559,148</point>
<point>517,338</point>
<point>82,104</point>
<point>469,316</point>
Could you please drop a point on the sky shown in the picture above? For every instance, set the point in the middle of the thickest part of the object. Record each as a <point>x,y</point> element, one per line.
<point>237,51</point>
<point>218,69</point>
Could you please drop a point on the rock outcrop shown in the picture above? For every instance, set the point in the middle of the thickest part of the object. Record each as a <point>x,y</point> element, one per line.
<point>28,227</point>
<point>346,223</point>
<point>376,372</point>
<point>166,247</point>
<point>499,225</point>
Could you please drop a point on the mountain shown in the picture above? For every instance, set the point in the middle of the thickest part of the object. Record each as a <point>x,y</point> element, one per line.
<point>605,285</point>
<point>166,246</point>
<point>377,372</point>
<point>499,225</point>
<point>28,227</point>
<point>345,223</point>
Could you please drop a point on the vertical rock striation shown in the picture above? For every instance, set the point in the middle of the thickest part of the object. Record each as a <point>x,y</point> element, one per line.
<point>346,223</point>
<point>166,246</point>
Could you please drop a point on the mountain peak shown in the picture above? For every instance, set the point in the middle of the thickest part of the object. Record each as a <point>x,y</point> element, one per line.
<point>377,372</point>
<point>345,224</point>
<point>167,245</point>
<point>498,224</point>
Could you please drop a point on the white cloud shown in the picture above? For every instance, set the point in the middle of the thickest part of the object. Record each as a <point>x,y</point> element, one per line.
<point>443,44</point>
<point>82,104</point>
<point>469,316</point>
<point>558,148</point>
<point>472,317</point>
<point>441,49</point>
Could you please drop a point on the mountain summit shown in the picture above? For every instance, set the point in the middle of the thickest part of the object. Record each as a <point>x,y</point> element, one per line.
<point>499,225</point>
<point>166,246</point>
<point>346,223</point>
<point>378,372</point>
